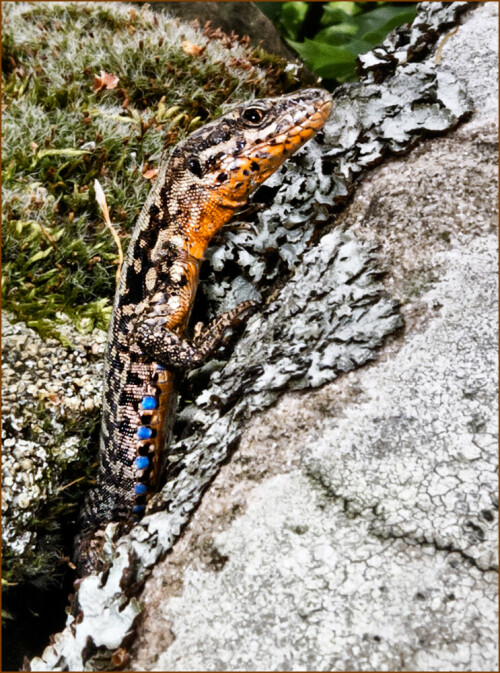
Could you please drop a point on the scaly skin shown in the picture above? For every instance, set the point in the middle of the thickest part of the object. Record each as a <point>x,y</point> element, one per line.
<point>207,177</point>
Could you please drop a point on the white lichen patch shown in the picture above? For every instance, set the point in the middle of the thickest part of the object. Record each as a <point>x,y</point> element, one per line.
<point>43,388</point>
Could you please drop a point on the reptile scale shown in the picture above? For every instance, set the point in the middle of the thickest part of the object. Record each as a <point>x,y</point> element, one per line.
<point>206,178</point>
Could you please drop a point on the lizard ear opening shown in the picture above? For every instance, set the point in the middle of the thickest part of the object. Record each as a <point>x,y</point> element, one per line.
<point>194,166</point>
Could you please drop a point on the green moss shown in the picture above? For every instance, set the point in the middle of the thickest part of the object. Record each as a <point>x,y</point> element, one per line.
<point>60,134</point>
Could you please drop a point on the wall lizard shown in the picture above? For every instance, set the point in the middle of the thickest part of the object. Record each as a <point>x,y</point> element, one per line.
<point>206,178</point>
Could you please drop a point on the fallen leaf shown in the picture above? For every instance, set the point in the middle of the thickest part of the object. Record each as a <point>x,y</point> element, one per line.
<point>105,81</point>
<point>150,174</point>
<point>93,261</point>
<point>192,49</point>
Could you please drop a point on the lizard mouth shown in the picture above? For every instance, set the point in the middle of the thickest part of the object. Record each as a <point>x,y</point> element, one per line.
<point>302,115</point>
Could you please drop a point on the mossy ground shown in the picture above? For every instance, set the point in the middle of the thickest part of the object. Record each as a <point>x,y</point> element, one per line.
<point>60,133</point>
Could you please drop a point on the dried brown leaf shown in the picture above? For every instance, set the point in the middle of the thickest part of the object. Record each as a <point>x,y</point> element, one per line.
<point>192,49</point>
<point>105,81</point>
<point>150,174</point>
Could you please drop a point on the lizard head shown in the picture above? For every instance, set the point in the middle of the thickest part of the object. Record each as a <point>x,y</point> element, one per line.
<point>234,154</point>
<point>221,164</point>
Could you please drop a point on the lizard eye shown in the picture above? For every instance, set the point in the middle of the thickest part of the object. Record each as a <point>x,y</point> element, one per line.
<point>253,115</point>
<point>194,166</point>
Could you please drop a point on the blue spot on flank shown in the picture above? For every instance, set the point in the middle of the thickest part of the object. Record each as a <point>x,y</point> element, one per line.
<point>140,489</point>
<point>149,402</point>
<point>141,462</point>
<point>144,433</point>
<point>137,509</point>
<point>160,368</point>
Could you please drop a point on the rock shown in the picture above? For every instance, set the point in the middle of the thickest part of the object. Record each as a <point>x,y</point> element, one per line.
<point>348,530</point>
<point>242,18</point>
<point>355,528</point>
<point>39,456</point>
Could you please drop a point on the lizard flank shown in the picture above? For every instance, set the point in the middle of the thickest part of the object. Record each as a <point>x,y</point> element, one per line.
<point>206,178</point>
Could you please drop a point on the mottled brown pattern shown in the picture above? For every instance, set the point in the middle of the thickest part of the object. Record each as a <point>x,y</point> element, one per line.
<point>196,192</point>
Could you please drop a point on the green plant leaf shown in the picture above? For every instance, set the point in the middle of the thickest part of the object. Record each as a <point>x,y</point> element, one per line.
<point>327,60</point>
<point>374,26</point>
<point>331,36</point>
<point>292,17</point>
<point>339,12</point>
<point>337,34</point>
<point>348,32</point>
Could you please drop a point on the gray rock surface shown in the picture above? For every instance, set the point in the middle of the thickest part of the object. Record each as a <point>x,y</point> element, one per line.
<point>356,526</point>
<point>353,527</point>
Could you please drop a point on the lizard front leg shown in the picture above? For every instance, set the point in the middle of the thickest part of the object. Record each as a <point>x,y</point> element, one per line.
<point>165,346</point>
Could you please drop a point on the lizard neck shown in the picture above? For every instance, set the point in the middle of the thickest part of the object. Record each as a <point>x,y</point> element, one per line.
<point>193,222</point>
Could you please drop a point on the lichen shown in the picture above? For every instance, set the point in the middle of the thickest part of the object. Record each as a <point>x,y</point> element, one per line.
<point>50,413</point>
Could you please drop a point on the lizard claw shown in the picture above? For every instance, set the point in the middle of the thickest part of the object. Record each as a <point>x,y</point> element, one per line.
<point>197,330</point>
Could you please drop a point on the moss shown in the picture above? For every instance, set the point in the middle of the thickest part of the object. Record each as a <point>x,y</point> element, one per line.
<point>60,134</point>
